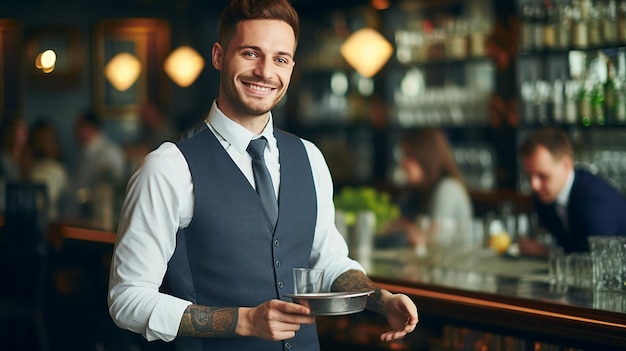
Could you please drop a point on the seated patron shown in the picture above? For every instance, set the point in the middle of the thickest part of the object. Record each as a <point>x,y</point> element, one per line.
<point>101,160</point>
<point>46,165</point>
<point>571,204</point>
<point>436,183</point>
<point>99,172</point>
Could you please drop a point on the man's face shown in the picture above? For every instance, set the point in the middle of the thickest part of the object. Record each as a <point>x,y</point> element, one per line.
<point>547,174</point>
<point>83,132</point>
<point>255,67</point>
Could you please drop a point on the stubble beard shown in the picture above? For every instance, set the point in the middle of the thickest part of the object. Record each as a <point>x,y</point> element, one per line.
<point>247,105</point>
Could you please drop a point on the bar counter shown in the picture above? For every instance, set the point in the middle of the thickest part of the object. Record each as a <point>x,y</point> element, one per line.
<point>81,230</point>
<point>478,289</point>
<point>506,295</point>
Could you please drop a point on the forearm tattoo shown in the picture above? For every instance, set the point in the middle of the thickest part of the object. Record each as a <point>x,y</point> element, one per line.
<point>203,321</point>
<point>353,281</point>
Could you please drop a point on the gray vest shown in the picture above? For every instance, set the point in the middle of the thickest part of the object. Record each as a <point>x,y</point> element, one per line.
<point>229,255</point>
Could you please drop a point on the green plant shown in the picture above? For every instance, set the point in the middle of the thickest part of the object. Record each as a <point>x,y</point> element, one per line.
<point>352,200</point>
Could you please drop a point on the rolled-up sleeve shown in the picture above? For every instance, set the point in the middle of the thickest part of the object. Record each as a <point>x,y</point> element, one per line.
<point>156,204</point>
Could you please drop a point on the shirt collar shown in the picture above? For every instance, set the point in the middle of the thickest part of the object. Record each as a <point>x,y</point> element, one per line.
<point>563,196</point>
<point>235,134</point>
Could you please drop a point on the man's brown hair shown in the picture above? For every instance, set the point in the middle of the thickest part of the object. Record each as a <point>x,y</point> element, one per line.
<point>241,10</point>
<point>555,140</point>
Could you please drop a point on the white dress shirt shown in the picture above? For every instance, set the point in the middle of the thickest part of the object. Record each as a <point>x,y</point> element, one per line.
<point>159,201</point>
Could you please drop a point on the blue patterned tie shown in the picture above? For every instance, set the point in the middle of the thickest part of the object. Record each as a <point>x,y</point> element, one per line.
<point>264,186</point>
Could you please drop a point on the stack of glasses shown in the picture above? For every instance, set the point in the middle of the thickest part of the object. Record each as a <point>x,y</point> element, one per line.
<point>603,267</point>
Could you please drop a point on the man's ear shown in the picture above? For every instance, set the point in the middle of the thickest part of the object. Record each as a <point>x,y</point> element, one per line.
<point>568,162</point>
<point>217,53</point>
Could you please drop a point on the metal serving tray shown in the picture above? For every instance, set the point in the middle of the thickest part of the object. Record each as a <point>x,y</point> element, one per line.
<point>332,303</point>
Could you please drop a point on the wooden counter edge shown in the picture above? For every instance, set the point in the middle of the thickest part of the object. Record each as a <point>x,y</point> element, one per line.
<point>550,320</point>
<point>58,232</point>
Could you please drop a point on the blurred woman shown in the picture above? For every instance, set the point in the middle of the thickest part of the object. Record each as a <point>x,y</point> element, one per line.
<point>46,165</point>
<point>445,210</point>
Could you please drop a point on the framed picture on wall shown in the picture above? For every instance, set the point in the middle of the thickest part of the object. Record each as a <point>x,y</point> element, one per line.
<point>66,67</point>
<point>134,49</point>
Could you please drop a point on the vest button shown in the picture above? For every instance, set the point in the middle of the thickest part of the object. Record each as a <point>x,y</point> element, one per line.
<point>277,264</point>
<point>276,243</point>
<point>287,345</point>
<point>281,285</point>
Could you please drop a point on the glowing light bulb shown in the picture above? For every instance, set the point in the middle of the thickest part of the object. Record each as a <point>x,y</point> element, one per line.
<point>46,61</point>
<point>366,51</point>
<point>183,65</point>
<point>123,70</point>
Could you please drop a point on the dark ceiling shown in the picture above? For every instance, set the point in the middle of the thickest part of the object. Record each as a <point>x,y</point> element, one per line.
<point>25,8</point>
<point>300,5</point>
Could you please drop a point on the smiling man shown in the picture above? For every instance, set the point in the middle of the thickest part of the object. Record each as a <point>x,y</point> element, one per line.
<point>571,203</point>
<point>200,258</point>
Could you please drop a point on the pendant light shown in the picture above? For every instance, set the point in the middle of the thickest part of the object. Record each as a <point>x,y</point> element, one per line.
<point>123,71</point>
<point>366,51</point>
<point>46,61</point>
<point>184,65</point>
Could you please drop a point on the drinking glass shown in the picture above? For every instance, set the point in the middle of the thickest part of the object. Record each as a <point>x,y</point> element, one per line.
<point>621,273</point>
<point>556,266</point>
<point>579,270</point>
<point>307,280</point>
<point>607,270</point>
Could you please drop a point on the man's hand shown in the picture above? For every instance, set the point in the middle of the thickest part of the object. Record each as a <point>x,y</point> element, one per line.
<point>530,247</point>
<point>399,309</point>
<point>402,316</point>
<point>273,320</point>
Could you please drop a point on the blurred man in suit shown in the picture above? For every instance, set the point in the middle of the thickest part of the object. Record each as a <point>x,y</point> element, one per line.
<point>571,203</point>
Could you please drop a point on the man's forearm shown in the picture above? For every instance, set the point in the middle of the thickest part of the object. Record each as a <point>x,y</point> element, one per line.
<point>354,280</point>
<point>203,321</point>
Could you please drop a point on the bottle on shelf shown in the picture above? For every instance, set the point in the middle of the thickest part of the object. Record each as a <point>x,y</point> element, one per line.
<point>597,103</point>
<point>621,21</point>
<point>585,97</point>
<point>580,32</point>
<point>558,103</point>
<point>563,29</point>
<point>610,89</point>
<point>570,109</point>
<point>456,42</point>
<point>549,26</point>
<point>539,21</point>
<point>619,116</point>
<point>594,26</point>
<point>527,25</point>
<point>608,15</point>
<point>620,88</point>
